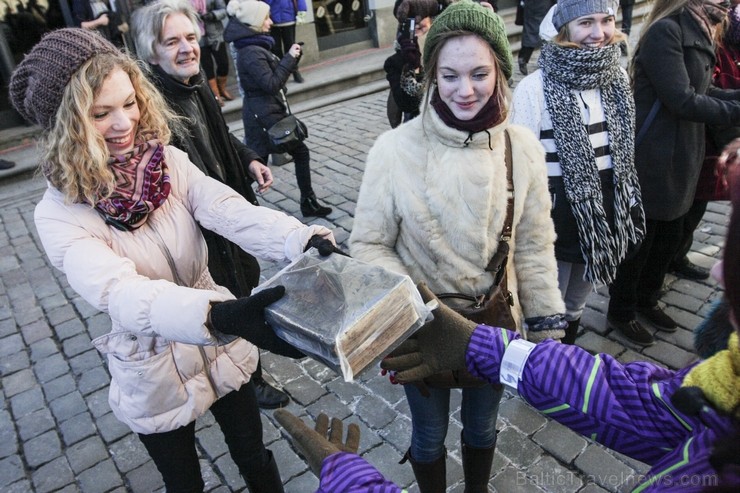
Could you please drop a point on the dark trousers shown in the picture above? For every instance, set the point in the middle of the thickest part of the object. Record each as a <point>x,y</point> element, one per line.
<point>626,18</point>
<point>284,37</point>
<point>640,278</point>
<point>238,417</point>
<point>208,55</point>
<point>302,157</point>
<point>690,223</point>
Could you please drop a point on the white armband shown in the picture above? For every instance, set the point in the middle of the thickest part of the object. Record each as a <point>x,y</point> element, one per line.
<point>512,364</point>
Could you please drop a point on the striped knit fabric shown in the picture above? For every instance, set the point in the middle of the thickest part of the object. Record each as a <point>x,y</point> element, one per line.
<point>625,407</point>
<point>349,473</point>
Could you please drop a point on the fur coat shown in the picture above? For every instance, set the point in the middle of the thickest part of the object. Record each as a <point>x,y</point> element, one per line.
<point>432,206</point>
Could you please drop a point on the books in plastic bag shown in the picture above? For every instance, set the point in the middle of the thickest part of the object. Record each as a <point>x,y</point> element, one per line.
<point>343,312</point>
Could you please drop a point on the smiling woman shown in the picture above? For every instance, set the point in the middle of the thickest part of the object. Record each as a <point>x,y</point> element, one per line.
<point>433,204</point>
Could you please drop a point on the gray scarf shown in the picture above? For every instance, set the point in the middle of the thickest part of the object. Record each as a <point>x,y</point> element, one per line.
<point>567,69</point>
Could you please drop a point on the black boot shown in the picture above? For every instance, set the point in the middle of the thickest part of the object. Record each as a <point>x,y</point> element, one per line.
<point>571,332</point>
<point>431,477</point>
<point>268,397</point>
<point>477,464</point>
<point>310,206</point>
<point>266,480</point>
<point>525,53</point>
<point>297,77</point>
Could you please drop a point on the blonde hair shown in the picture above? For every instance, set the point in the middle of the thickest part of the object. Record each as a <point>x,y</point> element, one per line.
<point>562,38</point>
<point>501,92</point>
<point>660,10</point>
<point>76,156</point>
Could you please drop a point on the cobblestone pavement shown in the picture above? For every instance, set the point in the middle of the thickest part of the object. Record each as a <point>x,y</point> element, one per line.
<point>57,432</point>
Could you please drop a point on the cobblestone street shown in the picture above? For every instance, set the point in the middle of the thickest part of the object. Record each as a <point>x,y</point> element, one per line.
<point>57,432</point>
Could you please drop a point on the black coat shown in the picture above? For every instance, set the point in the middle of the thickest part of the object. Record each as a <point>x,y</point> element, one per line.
<point>394,66</point>
<point>220,155</point>
<point>261,76</point>
<point>674,64</point>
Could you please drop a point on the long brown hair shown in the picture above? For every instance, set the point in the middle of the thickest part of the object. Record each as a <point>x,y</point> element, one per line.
<point>660,10</point>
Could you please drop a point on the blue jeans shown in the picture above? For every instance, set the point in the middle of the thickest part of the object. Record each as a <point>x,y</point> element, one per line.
<point>430,417</point>
<point>573,288</point>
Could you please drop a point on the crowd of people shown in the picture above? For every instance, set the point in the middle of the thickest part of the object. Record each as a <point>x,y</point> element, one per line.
<point>152,213</point>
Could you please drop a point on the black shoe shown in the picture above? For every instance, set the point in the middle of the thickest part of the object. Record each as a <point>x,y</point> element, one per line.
<point>633,331</point>
<point>310,206</point>
<point>523,67</point>
<point>298,77</point>
<point>689,270</point>
<point>268,397</point>
<point>5,164</point>
<point>658,318</point>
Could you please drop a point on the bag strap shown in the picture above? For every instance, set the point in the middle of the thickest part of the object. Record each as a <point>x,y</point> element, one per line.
<point>497,264</point>
<point>646,124</point>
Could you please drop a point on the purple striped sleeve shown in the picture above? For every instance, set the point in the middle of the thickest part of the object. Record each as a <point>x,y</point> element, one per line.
<point>485,350</point>
<point>350,473</point>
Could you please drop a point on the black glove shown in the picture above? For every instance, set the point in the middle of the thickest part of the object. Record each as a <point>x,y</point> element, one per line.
<point>245,318</point>
<point>410,53</point>
<point>324,246</point>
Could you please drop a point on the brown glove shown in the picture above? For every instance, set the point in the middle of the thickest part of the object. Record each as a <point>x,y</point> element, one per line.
<point>438,346</point>
<point>313,444</point>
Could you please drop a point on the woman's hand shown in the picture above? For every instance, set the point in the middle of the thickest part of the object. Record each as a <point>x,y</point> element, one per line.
<point>261,174</point>
<point>295,51</point>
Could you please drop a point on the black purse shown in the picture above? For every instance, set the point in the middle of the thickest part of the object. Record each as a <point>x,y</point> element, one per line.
<point>492,308</point>
<point>287,132</point>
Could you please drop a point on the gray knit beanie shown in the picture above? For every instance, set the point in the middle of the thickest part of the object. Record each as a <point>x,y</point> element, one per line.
<point>466,15</point>
<point>567,10</point>
<point>37,84</point>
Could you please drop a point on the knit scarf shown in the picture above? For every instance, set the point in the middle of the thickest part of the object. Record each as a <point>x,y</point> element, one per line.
<point>487,117</point>
<point>264,40</point>
<point>719,377</point>
<point>566,70</point>
<point>707,15</point>
<point>142,185</point>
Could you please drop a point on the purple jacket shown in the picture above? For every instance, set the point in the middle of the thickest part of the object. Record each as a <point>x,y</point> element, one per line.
<point>625,407</point>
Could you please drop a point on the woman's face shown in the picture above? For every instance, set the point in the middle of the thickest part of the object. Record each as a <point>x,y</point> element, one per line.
<point>466,75</point>
<point>592,31</point>
<point>266,25</point>
<point>115,112</point>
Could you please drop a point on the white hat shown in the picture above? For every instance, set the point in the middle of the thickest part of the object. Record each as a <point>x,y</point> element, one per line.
<point>250,12</point>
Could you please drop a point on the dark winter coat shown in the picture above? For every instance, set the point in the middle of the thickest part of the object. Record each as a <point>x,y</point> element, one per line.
<point>261,75</point>
<point>222,156</point>
<point>674,64</point>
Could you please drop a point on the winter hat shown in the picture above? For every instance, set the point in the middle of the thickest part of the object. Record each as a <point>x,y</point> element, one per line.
<point>38,83</point>
<point>466,15</point>
<point>250,12</point>
<point>567,10</point>
<point>417,8</point>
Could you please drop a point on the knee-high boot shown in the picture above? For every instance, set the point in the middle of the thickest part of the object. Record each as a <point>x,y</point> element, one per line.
<point>223,92</point>
<point>430,476</point>
<point>214,89</point>
<point>265,480</point>
<point>571,332</point>
<point>477,464</point>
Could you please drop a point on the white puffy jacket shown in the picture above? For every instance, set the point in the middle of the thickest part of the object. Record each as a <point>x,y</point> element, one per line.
<point>166,367</point>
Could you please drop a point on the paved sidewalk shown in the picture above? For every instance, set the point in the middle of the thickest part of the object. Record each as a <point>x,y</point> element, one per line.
<point>57,432</point>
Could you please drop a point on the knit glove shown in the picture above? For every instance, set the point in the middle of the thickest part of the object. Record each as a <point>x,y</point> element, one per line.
<point>324,246</point>
<point>245,317</point>
<point>410,53</point>
<point>313,444</point>
<point>550,327</point>
<point>438,346</point>
<point>300,17</point>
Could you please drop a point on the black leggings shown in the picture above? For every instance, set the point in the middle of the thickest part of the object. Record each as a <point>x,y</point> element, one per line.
<point>208,54</point>
<point>284,37</point>
<point>175,455</point>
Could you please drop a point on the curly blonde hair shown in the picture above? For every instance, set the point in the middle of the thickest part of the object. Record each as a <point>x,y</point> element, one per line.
<point>76,156</point>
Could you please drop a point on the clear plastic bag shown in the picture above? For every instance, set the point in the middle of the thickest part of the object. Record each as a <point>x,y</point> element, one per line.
<point>345,313</point>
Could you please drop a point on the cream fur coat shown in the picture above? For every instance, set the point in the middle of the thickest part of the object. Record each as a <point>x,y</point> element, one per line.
<point>432,207</point>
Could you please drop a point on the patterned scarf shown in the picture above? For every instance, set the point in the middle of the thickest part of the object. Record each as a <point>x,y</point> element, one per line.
<point>732,34</point>
<point>142,185</point>
<point>565,70</point>
<point>707,15</point>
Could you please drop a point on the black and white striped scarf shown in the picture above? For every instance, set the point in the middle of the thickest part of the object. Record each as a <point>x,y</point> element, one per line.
<point>565,70</point>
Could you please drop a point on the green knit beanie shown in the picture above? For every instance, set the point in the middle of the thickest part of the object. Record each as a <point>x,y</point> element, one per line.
<point>466,15</point>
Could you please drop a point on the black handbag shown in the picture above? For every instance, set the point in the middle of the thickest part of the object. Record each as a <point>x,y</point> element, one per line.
<point>492,308</point>
<point>286,132</point>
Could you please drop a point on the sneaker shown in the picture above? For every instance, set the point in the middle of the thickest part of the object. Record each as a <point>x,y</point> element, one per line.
<point>268,397</point>
<point>689,270</point>
<point>658,317</point>
<point>633,331</point>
